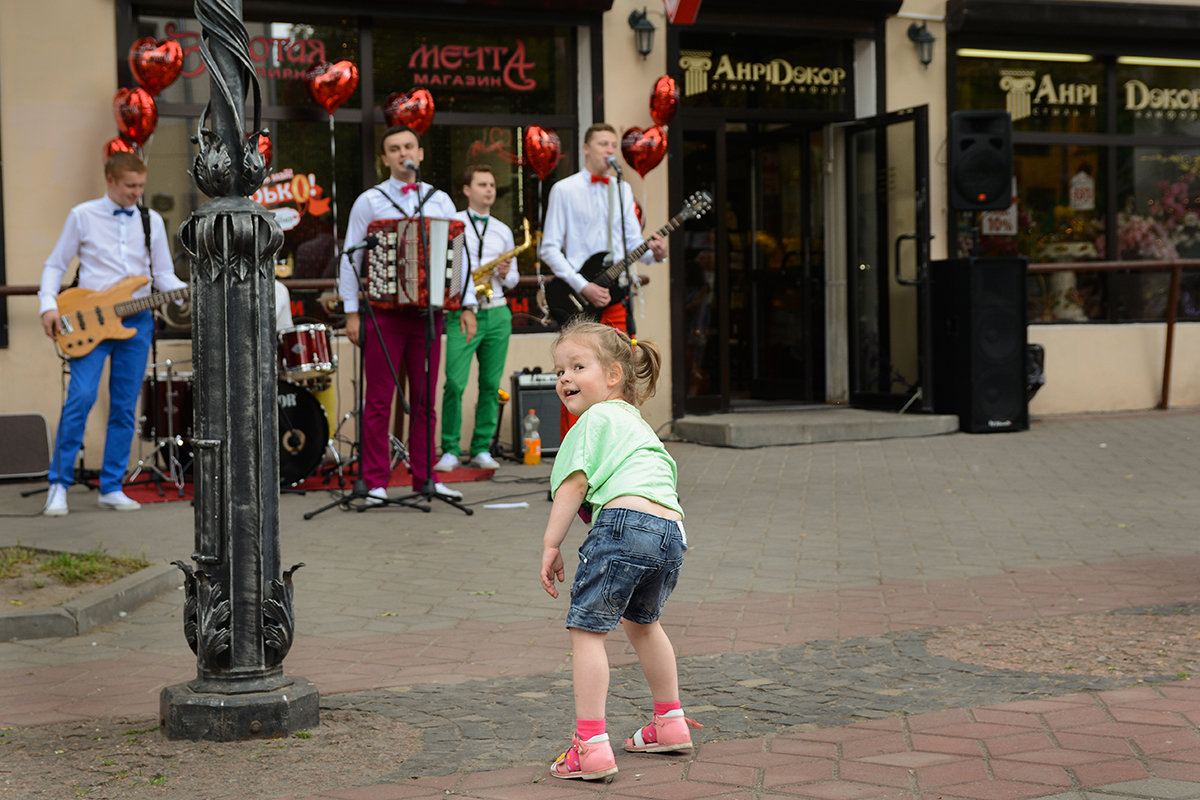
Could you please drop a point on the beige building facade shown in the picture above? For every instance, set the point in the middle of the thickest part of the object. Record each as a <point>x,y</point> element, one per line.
<point>767,299</point>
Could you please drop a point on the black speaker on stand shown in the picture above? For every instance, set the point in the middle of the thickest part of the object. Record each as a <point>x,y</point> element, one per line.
<point>979,160</point>
<point>979,343</point>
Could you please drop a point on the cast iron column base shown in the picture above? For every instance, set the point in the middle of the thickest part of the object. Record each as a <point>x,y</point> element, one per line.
<point>185,713</point>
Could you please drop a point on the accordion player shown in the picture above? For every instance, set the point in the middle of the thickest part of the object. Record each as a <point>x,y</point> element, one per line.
<point>413,267</point>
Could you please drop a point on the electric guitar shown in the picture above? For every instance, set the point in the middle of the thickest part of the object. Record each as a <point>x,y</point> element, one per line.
<point>482,277</point>
<point>88,317</point>
<point>600,269</point>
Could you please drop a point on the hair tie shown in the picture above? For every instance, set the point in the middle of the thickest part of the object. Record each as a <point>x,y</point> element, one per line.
<point>633,342</point>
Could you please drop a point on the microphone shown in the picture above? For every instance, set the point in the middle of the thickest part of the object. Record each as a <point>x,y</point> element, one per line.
<point>370,241</point>
<point>612,162</point>
<point>410,165</point>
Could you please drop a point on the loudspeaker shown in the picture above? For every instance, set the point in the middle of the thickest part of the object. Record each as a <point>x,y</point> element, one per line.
<point>980,160</point>
<point>536,391</point>
<point>979,347</point>
<point>24,446</point>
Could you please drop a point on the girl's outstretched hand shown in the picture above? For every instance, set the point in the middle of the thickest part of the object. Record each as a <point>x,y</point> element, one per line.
<point>552,569</point>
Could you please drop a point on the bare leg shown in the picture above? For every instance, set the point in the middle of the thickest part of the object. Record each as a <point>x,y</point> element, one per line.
<point>589,670</point>
<point>657,658</point>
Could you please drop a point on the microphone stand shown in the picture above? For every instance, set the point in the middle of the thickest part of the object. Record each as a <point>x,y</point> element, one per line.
<point>630,324</point>
<point>428,492</point>
<point>359,490</point>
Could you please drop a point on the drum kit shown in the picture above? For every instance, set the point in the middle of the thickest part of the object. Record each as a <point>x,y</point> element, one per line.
<point>307,395</point>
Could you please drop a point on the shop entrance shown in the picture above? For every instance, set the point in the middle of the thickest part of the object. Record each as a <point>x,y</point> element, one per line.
<point>753,301</point>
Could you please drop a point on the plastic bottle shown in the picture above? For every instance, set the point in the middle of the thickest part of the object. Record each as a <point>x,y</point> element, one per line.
<point>533,438</point>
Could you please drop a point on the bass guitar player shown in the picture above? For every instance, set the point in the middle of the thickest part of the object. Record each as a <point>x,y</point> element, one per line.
<point>114,239</point>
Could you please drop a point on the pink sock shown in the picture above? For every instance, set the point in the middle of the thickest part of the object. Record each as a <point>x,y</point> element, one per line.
<point>662,708</point>
<point>587,728</point>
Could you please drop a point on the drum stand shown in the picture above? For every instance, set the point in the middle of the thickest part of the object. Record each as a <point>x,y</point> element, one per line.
<point>168,447</point>
<point>358,496</point>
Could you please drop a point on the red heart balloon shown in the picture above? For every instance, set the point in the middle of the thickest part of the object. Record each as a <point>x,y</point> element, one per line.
<point>264,146</point>
<point>136,113</point>
<point>117,144</point>
<point>542,150</point>
<point>413,108</point>
<point>331,84</point>
<point>664,100</point>
<point>155,64</point>
<point>643,149</point>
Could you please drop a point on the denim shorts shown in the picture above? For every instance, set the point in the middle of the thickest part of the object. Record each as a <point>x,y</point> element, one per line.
<point>628,565</point>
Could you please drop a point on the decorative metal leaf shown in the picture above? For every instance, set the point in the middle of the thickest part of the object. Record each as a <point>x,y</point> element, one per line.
<point>212,168</point>
<point>213,621</point>
<point>279,619</point>
<point>189,605</point>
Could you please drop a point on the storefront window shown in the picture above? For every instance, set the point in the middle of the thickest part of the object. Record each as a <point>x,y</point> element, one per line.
<point>281,52</point>
<point>1065,200</point>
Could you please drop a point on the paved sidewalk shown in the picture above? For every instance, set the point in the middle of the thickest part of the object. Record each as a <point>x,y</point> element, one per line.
<point>815,578</point>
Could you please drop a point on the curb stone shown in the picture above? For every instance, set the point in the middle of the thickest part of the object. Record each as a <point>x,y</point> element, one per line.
<point>86,612</point>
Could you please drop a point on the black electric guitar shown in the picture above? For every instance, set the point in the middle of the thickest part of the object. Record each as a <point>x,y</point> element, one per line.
<point>602,270</point>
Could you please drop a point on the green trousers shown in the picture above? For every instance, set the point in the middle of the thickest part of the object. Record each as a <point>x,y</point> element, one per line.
<point>490,345</point>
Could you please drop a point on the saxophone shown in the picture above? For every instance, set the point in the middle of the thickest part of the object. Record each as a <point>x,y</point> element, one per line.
<point>482,277</point>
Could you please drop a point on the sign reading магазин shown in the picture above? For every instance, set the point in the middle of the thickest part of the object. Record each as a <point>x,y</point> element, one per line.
<point>766,72</point>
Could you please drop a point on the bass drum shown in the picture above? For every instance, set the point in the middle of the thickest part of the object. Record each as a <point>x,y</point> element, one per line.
<point>303,433</point>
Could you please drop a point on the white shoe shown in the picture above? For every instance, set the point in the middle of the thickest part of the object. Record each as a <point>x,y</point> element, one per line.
<point>448,462</point>
<point>56,501</point>
<point>377,496</point>
<point>446,491</point>
<point>483,461</point>
<point>117,501</point>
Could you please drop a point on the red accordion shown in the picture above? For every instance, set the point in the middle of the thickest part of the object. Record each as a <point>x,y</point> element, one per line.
<point>407,269</point>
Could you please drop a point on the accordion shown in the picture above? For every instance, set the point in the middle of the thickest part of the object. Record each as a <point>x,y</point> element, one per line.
<point>410,267</point>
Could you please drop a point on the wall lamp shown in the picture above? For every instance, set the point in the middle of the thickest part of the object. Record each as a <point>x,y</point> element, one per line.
<point>924,40</point>
<point>643,30</point>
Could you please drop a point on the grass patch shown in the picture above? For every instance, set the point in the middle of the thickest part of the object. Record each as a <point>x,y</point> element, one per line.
<point>94,566</point>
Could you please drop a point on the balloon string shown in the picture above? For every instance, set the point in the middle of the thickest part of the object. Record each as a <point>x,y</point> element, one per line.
<point>333,182</point>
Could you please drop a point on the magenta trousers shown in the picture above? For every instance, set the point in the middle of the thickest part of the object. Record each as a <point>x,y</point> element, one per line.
<point>403,332</point>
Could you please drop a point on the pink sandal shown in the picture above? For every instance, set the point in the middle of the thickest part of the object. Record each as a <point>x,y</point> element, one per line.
<point>589,761</point>
<point>665,734</point>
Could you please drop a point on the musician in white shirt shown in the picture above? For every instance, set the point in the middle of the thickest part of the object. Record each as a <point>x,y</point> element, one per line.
<point>583,218</point>
<point>483,332</point>
<point>403,328</point>
<point>109,237</point>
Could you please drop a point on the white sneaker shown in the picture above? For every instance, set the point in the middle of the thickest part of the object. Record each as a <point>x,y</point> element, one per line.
<point>56,501</point>
<point>117,501</point>
<point>377,496</point>
<point>483,461</point>
<point>448,462</point>
<point>446,491</point>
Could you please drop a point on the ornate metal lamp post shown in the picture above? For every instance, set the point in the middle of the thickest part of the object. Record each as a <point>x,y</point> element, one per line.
<point>238,615</point>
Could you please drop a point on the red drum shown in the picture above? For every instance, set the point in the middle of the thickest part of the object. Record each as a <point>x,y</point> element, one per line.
<point>305,352</point>
<point>167,406</point>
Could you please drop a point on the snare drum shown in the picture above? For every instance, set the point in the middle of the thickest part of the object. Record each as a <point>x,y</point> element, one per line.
<point>167,406</point>
<point>305,352</point>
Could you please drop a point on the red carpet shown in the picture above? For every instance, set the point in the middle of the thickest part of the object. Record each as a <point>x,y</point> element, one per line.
<point>148,492</point>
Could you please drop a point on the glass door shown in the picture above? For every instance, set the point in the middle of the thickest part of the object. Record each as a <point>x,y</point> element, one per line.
<point>888,235</point>
<point>753,305</point>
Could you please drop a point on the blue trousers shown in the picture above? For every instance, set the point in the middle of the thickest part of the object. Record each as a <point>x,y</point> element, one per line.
<point>124,383</point>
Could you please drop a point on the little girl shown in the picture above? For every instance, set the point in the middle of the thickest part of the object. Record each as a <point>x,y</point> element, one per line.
<point>613,462</point>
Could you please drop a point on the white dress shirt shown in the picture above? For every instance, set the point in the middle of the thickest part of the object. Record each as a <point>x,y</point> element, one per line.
<point>370,206</point>
<point>580,206</point>
<point>497,239</point>
<point>110,248</point>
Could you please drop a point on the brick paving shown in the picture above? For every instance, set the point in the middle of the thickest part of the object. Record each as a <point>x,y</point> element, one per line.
<point>815,576</point>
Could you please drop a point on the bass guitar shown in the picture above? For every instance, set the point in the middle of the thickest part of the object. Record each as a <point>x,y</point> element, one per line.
<point>602,270</point>
<point>482,277</point>
<point>87,318</point>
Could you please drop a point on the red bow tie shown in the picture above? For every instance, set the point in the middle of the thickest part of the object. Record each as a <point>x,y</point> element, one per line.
<point>599,179</point>
<point>408,187</point>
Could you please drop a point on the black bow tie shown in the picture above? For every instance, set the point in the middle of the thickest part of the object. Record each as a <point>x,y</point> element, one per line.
<point>126,211</point>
